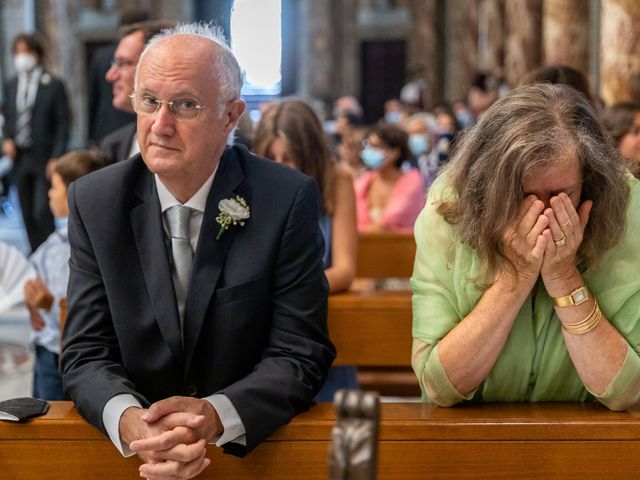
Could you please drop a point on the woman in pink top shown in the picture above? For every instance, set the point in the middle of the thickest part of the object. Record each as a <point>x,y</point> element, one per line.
<point>388,197</point>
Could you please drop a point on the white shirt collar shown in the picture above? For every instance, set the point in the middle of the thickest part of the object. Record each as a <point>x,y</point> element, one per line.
<point>197,202</point>
<point>31,76</point>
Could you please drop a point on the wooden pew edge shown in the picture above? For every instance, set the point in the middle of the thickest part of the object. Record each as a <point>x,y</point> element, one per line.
<point>399,422</point>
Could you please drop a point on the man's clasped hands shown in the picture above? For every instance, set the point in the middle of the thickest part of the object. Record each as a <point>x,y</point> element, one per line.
<point>171,436</point>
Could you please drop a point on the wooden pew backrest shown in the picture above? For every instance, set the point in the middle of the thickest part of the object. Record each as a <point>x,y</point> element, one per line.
<point>385,255</point>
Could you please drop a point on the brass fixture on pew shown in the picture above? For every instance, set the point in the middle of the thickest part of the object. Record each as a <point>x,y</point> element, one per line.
<point>354,438</point>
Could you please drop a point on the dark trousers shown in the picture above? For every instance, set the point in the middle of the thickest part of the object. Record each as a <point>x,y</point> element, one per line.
<point>47,382</point>
<point>339,377</point>
<point>33,188</point>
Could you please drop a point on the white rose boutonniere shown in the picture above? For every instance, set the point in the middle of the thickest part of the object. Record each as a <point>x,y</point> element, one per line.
<point>233,211</point>
<point>45,79</point>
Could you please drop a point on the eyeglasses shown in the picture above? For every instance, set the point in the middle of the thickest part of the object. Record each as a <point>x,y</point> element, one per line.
<point>119,63</point>
<point>181,108</point>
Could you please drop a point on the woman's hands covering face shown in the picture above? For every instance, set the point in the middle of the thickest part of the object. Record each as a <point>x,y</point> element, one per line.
<point>545,241</point>
<point>563,238</point>
<point>524,241</point>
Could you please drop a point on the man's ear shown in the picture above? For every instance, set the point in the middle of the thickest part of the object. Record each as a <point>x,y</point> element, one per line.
<point>233,112</point>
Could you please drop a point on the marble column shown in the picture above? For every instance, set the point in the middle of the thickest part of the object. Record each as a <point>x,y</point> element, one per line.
<point>566,33</point>
<point>16,18</point>
<point>619,48</point>
<point>461,47</point>
<point>66,58</point>
<point>424,49</point>
<point>346,54</point>
<point>316,57</point>
<point>490,35</point>
<point>523,25</point>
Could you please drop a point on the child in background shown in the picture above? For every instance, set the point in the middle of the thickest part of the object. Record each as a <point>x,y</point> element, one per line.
<point>51,261</point>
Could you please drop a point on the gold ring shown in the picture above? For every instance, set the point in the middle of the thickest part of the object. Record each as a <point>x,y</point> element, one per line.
<point>561,242</point>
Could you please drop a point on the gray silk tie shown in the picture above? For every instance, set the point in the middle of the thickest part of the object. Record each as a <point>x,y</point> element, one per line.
<point>23,122</point>
<point>178,221</point>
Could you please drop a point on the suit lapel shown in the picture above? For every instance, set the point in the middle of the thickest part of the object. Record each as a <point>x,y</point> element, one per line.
<point>146,222</point>
<point>211,253</point>
<point>124,147</point>
<point>41,90</point>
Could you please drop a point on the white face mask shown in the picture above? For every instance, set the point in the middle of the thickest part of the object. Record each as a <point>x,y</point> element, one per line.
<point>24,62</point>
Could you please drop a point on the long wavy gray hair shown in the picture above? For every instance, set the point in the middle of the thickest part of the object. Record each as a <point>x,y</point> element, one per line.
<point>532,127</point>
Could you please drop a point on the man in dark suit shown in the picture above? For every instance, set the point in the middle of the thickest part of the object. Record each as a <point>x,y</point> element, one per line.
<point>122,143</point>
<point>241,349</point>
<point>36,131</point>
<point>103,117</point>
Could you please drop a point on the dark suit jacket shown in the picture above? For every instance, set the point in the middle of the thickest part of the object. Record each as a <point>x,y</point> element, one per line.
<point>255,327</point>
<point>117,145</point>
<point>50,118</point>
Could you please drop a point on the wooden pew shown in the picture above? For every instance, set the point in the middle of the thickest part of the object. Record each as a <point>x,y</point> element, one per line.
<point>385,254</point>
<point>372,330</point>
<point>417,441</point>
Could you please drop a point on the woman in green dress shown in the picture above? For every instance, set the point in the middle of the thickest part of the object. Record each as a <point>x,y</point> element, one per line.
<point>527,274</point>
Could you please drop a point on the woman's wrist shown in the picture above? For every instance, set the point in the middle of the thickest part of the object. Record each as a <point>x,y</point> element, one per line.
<point>517,286</point>
<point>563,284</point>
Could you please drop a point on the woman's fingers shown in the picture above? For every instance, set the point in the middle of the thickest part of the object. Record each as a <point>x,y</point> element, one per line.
<point>532,235</point>
<point>584,210</point>
<point>530,218</point>
<point>542,245</point>
<point>565,213</point>
<point>554,226</point>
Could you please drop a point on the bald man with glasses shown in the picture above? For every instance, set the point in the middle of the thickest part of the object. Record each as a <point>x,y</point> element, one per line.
<point>197,298</point>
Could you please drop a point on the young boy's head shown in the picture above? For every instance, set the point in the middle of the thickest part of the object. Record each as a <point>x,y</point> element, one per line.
<point>68,168</point>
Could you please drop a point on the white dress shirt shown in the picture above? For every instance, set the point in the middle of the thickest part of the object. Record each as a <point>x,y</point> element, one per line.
<point>27,88</point>
<point>234,430</point>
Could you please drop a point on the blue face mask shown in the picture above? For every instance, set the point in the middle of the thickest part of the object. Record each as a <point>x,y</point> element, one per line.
<point>372,157</point>
<point>418,144</point>
<point>392,117</point>
<point>61,222</point>
<point>464,118</point>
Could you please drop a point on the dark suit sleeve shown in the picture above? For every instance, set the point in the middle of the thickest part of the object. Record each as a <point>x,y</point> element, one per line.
<point>299,353</point>
<point>90,363</point>
<point>9,110</point>
<point>61,125</point>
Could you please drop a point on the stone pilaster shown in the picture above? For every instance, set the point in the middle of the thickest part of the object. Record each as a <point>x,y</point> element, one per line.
<point>523,25</point>
<point>316,58</point>
<point>566,33</point>
<point>461,47</point>
<point>490,35</point>
<point>66,58</point>
<point>346,52</point>
<point>424,54</point>
<point>619,48</point>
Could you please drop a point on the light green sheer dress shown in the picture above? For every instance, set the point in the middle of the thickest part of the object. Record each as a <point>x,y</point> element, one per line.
<point>534,364</point>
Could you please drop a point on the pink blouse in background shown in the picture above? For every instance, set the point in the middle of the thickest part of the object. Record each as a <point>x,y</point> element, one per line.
<point>405,204</point>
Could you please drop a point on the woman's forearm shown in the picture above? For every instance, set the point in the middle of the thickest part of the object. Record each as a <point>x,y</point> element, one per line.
<point>469,351</point>
<point>597,354</point>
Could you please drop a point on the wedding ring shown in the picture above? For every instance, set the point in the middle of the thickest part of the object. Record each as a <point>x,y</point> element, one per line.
<point>561,242</point>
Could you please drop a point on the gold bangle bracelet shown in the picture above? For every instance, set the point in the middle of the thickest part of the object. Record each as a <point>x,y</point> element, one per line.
<point>586,325</point>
